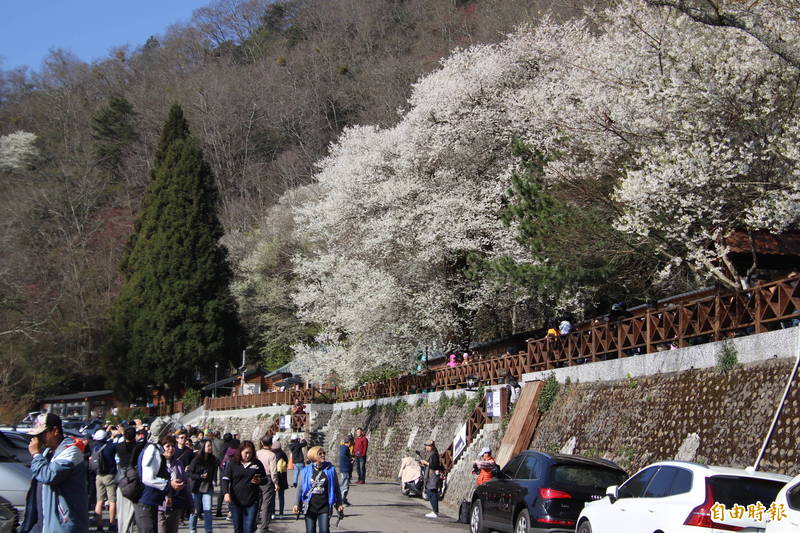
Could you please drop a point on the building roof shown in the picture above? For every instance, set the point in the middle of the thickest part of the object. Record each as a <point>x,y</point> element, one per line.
<point>787,243</point>
<point>78,396</point>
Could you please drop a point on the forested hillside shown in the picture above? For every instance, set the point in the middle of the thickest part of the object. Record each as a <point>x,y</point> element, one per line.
<point>399,174</point>
<point>265,85</point>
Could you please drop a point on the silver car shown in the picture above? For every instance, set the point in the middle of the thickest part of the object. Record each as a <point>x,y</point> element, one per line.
<point>15,478</point>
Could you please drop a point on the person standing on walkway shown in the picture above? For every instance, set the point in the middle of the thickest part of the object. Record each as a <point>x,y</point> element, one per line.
<point>104,466</point>
<point>202,471</point>
<point>154,475</point>
<point>318,493</point>
<point>360,452</point>
<point>220,449</point>
<point>298,457</point>
<point>123,459</point>
<point>58,484</point>
<point>282,462</point>
<point>268,489</point>
<point>178,499</point>
<point>241,479</point>
<point>346,466</point>
<point>431,463</point>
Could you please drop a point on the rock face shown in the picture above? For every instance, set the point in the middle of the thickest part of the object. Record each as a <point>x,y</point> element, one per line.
<point>703,415</point>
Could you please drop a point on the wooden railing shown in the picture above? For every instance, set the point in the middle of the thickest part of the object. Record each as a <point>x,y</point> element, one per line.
<point>477,419</point>
<point>709,316</point>
<point>263,399</point>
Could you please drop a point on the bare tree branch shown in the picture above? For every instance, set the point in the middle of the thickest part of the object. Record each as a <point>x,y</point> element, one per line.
<point>714,14</point>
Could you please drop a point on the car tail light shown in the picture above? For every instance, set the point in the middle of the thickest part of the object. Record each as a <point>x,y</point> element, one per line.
<point>552,494</point>
<point>556,522</point>
<point>701,515</point>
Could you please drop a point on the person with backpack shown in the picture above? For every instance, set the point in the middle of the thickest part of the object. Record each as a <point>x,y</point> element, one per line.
<point>202,472</point>
<point>155,476</point>
<point>104,466</point>
<point>282,466</point>
<point>124,468</point>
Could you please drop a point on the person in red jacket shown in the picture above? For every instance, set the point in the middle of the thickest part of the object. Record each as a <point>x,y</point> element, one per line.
<point>360,453</point>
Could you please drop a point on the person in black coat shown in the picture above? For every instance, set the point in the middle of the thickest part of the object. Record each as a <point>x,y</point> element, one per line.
<point>432,463</point>
<point>241,479</point>
<point>202,472</point>
<point>283,476</point>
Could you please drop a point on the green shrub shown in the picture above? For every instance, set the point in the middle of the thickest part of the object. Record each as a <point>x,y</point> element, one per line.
<point>460,400</point>
<point>443,404</point>
<point>727,356</point>
<point>191,399</point>
<point>549,393</point>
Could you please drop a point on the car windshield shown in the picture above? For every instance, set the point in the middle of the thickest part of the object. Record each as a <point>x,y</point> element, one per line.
<point>731,490</point>
<point>589,476</point>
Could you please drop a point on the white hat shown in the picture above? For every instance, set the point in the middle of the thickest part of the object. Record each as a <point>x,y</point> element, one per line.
<point>485,450</point>
<point>100,434</point>
<point>294,436</point>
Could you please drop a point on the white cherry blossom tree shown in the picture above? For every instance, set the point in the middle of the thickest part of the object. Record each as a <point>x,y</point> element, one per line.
<point>17,150</point>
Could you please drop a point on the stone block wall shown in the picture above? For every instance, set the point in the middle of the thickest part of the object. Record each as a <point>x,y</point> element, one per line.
<point>396,430</point>
<point>704,415</point>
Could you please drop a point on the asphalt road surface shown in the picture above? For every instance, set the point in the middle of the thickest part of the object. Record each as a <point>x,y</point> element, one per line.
<point>376,507</point>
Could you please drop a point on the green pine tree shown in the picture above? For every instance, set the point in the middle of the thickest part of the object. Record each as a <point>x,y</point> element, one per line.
<point>113,131</point>
<point>174,317</point>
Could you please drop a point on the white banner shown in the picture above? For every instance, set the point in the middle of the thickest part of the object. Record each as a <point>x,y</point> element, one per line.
<point>285,422</point>
<point>493,403</point>
<point>460,442</point>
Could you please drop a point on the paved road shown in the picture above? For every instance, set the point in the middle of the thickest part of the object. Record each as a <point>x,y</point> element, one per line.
<point>377,507</point>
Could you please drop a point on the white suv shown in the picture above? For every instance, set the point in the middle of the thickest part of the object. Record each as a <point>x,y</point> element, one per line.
<point>679,497</point>
<point>789,520</point>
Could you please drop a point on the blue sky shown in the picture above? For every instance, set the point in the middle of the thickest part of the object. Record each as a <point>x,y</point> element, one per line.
<point>88,28</point>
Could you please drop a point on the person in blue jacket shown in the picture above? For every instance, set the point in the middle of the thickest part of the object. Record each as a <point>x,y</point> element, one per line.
<point>318,492</point>
<point>346,466</point>
<point>59,479</point>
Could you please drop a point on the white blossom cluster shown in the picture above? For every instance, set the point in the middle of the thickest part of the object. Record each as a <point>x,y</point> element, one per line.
<point>16,150</point>
<point>696,125</point>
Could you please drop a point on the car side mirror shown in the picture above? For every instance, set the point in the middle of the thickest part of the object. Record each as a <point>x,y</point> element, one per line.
<point>613,493</point>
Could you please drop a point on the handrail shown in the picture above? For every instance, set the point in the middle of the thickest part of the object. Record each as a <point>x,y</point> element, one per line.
<point>711,316</point>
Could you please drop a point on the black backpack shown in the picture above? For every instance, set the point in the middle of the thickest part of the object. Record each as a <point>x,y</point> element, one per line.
<point>129,480</point>
<point>97,461</point>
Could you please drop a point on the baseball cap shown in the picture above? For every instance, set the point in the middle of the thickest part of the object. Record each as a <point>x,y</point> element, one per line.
<point>100,434</point>
<point>44,422</point>
<point>429,442</point>
<point>485,450</point>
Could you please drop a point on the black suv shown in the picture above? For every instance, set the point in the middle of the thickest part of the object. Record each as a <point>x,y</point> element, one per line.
<point>541,493</point>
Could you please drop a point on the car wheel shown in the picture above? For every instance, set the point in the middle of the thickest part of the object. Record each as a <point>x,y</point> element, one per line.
<point>476,518</point>
<point>523,522</point>
<point>584,527</point>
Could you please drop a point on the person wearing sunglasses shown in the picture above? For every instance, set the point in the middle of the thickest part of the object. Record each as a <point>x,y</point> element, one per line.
<point>318,492</point>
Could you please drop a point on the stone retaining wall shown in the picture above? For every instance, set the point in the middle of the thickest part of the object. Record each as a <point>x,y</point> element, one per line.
<point>704,415</point>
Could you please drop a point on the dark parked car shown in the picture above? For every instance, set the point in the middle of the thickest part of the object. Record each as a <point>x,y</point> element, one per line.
<point>541,493</point>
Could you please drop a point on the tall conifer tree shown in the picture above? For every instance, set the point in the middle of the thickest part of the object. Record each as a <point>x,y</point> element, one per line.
<point>174,317</point>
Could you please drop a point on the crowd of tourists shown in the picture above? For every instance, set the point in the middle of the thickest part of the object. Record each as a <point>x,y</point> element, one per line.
<point>162,476</point>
